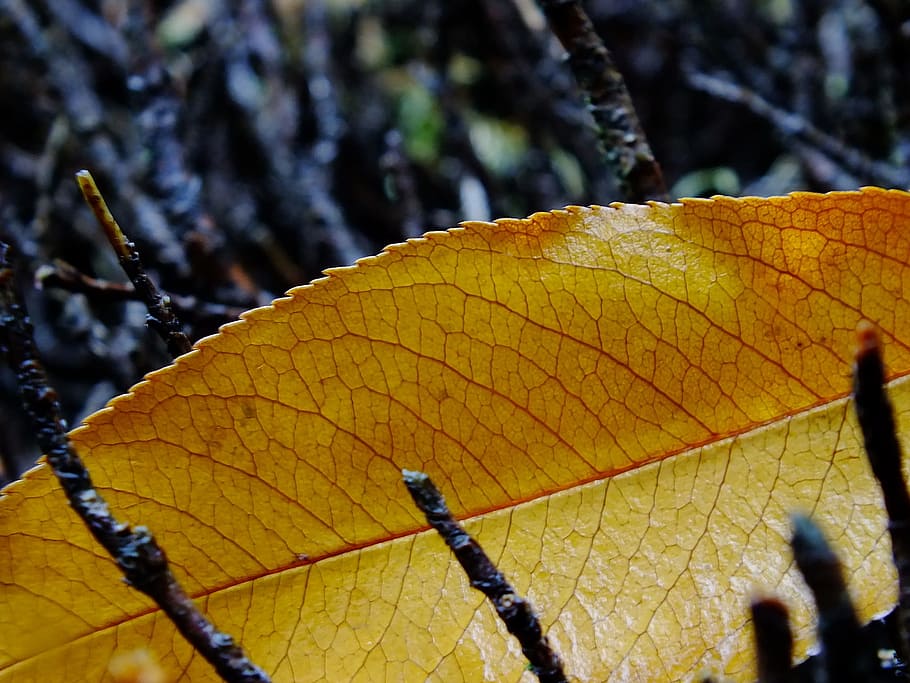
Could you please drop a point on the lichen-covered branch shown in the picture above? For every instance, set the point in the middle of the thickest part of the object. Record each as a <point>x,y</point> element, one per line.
<point>626,147</point>
<point>514,610</point>
<point>137,554</point>
<point>160,317</point>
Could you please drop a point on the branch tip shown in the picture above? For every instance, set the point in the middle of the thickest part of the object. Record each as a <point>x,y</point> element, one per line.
<point>868,339</point>
<point>103,215</point>
<point>875,415</point>
<point>426,495</point>
<point>414,477</point>
<point>773,638</point>
<point>161,316</point>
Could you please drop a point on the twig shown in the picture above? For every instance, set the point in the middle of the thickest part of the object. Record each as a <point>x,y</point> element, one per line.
<point>876,419</point>
<point>135,551</point>
<point>515,611</point>
<point>794,126</point>
<point>62,275</point>
<point>90,29</point>
<point>160,316</point>
<point>773,640</point>
<point>845,654</point>
<point>627,151</point>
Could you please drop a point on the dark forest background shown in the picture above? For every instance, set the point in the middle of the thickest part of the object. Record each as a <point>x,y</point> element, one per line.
<point>245,146</point>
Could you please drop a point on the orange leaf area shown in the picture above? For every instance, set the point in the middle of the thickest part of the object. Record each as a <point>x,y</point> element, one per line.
<point>626,402</point>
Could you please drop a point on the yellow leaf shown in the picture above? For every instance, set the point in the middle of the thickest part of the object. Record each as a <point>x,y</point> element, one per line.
<point>626,401</point>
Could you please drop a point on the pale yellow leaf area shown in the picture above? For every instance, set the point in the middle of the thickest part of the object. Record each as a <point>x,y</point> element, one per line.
<point>626,402</point>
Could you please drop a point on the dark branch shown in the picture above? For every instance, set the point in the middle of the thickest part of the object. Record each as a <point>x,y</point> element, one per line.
<point>515,611</point>
<point>773,640</point>
<point>160,316</point>
<point>793,126</point>
<point>628,153</point>
<point>876,419</point>
<point>142,561</point>
<point>63,275</point>
<point>844,649</point>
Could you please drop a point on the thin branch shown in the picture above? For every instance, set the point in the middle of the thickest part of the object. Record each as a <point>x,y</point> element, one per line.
<point>773,640</point>
<point>63,275</point>
<point>160,316</point>
<point>515,611</point>
<point>876,419</point>
<point>793,126</point>
<point>628,153</point>
<point>844,649</point>
<point>137,554</point>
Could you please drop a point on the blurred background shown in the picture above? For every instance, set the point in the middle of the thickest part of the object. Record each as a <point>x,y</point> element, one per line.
<point>245,146</point>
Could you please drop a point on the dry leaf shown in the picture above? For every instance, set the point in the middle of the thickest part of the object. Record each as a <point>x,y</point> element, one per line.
<point>626,401</point>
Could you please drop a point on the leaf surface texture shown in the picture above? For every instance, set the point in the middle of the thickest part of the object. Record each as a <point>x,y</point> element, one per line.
<point>625,402</point>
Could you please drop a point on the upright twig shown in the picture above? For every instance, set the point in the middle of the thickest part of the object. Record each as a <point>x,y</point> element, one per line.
<point>626,147</point>
<point>515,611</point>
<point>845,654</point>
<point>876,419</point>
<point>160,316</point>
<point>773,640</point>
<point>137,554</point>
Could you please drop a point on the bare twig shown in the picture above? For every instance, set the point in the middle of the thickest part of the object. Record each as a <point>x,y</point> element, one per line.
<point>876,419</point>
<point>160,316</point>
<point>845,652</point>
<point>515,611</point>
<point>137,554</point>
<point>627,151</point>
<point>62,275</point>
<point>773,640</point>
<point>794,126</point>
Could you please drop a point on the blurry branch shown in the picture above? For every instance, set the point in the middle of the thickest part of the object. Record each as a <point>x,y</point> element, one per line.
<point>848,651</point>
<point>64,276</point>
<point>773,639</point>
<point>515,611</point>
<point>160,316</point>
<point>876,419</point>
<point>159,110</point>
<point>402,184</point>
<point>845,652</point>
<point>317,66</point>
<point>134,549</point>
<point>626,147</point>
<point>794,126</point>
<point>299,179</point>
